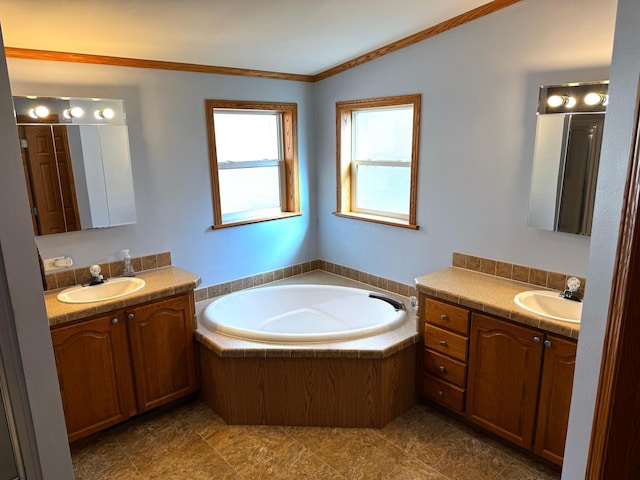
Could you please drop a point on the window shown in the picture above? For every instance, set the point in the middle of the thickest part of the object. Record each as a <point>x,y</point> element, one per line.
<point>377,164</point>
<point>253,151</point>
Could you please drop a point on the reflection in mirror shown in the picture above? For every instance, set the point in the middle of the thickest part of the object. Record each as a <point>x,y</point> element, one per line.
<point>566,157</point>
<point>77,165</point>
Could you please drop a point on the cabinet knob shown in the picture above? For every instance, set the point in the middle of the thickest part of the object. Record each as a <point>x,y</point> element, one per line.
<point>441,368</point>
<point>443,316</point>
<point>536,339</point>
<point>440,393</point>
<point>547,343</point>
<point>131,316</point>
<point>443,343</point>
<point>114,321</point>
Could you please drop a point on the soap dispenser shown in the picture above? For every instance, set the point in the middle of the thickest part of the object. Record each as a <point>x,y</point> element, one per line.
<point>128,268</point>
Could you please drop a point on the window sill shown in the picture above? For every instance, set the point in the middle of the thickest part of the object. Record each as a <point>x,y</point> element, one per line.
<point>248,221</point>
<point>394,222</point>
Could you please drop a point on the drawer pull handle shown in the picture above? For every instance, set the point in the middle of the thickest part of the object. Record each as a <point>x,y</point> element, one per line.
<point>440,393</point>
<point>443,343</point>
<point>547,343</point>
<point>443,316</point>
<point>114,321</point>
<point>536,339</point>
<point>441,368</point>
<point>131,316</point>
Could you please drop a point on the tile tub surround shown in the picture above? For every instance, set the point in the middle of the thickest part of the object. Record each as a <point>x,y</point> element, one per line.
<point>369,279</point>
<point>74,276</point>
<point>378,346</point>
<point>160,283</point>
<point>489,294</point>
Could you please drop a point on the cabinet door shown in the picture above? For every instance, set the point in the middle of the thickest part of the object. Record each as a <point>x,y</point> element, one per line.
<point>504,369</point>
<point>555,398</point>
<point>161,339</point>
<point>94,372</point>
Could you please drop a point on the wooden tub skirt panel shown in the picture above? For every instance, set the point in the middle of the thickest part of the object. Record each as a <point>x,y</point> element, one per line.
<point>308,391</point>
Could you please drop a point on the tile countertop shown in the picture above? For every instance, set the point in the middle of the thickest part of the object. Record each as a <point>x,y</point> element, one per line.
<point>161,282</point>
<point>489,294</point>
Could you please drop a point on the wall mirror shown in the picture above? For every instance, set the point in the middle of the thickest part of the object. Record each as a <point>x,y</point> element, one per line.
<point>566,156</point>
<point>77,165</point>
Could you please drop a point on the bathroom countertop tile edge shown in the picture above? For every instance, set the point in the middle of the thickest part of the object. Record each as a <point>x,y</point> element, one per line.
<point>160,282</point>
<point>491,295</point>
<point>380,346</point>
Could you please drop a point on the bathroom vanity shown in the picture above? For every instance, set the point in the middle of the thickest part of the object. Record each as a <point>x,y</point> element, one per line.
<point>119,358</point>
<point>499,367</point>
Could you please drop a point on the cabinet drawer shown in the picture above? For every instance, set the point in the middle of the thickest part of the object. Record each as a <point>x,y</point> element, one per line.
<point>443,393</point>
<point>447,316</point>
<point>445,367</point>
<point>448,343</point>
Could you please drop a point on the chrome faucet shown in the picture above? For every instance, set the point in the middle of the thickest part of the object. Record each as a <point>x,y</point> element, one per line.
<point>96,277</point>
<point>573,284</point>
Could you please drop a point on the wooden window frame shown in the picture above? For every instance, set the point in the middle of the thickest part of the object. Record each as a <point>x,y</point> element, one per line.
<point>344,177</point>
<point>289,112</point>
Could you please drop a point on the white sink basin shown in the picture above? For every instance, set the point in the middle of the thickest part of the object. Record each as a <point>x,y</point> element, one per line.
<point>113,288</point>
<point>549,304</point>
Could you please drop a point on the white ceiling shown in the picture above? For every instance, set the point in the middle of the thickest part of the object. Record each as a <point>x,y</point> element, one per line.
<point>289,36</point>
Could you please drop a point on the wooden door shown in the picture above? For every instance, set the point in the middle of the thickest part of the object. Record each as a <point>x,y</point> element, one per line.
<point>504,369</point>
<point>50,180</point>
<point>94,372</point>
<point>45,181</point>
<point>555,398</point>
<point>162,350</point>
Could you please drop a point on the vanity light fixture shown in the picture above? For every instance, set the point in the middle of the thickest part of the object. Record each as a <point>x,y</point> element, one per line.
<point>593,98</point>
<point>73,112</point>
<point>573,98</point>
<point>105,113</point>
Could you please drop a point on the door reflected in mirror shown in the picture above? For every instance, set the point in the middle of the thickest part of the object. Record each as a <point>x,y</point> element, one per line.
<point>566,157</point>
<point>77,164</point>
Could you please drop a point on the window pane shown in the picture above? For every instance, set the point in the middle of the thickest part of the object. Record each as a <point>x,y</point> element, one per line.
<point>246,189</point>
<point>383,134</point>
<point>383,188</point>
<point>246,136</point>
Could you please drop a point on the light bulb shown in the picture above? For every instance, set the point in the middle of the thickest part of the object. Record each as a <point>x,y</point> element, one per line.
<point>41,111</point>
<point>570,102</point>
<point>555,101</point>
<point>73,112</point>
<point>596,99</point>
<point>106,113</point>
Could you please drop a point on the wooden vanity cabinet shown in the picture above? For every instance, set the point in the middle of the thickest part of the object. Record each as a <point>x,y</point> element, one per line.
<point>444,358</point>
<point>504,372</point>
<point>94,373</point>
<point>117,365</point>
<point>520,382</point>
<point>554,401</point>
<point>162,351</point>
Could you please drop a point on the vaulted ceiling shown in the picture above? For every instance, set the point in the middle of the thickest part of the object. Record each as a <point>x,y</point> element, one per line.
<point>304,37</point>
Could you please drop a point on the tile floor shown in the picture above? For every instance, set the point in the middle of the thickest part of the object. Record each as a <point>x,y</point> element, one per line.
<point>191,442</point>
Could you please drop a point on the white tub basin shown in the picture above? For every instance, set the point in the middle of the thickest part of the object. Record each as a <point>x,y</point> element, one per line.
<point>113,288</point>
<point>550,304</point>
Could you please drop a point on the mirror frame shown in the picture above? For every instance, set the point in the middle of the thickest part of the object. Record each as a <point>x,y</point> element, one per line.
<point>567,146</point>
<point>77,162</point>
